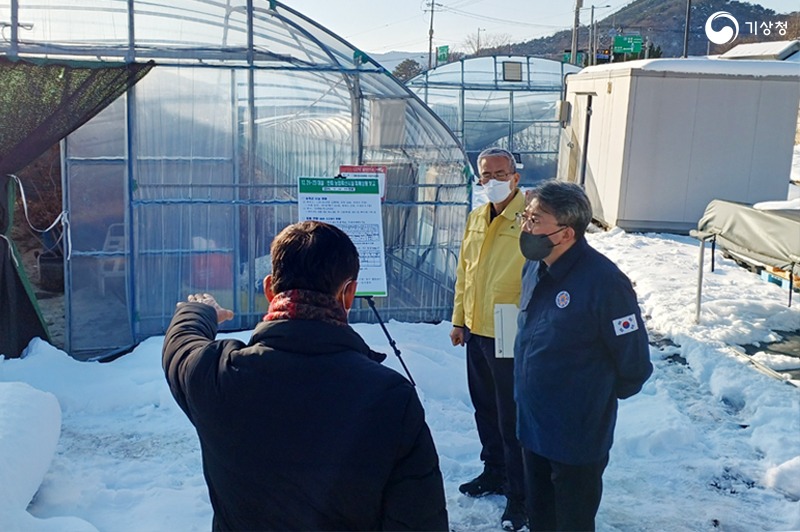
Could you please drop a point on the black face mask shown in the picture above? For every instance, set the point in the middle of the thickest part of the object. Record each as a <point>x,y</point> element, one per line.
<point>536,247</point>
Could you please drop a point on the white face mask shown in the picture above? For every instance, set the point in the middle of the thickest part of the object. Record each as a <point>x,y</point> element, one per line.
<point>497,191</point>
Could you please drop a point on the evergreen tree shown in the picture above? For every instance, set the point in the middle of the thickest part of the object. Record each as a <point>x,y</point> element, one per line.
<point>407,70</point>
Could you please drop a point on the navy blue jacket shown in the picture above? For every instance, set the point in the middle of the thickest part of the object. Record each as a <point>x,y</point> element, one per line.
<point>301,430</point>
<point>581,346</point>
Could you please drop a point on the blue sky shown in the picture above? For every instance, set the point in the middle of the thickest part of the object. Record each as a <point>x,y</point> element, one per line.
<point>384,25</point>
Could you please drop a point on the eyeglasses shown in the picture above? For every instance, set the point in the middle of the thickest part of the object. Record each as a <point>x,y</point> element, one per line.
<point>499,176</point>
<point>533,220</point>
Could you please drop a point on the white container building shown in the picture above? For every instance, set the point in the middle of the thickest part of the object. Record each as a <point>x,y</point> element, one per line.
<point>654,141</point>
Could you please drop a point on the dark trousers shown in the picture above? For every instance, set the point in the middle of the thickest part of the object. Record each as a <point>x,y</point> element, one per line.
<point>562,496</point>
<point>491,388</point>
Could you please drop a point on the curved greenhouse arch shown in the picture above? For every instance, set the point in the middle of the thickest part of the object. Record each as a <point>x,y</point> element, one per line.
<point>181,184</point>
<point>500,100</point>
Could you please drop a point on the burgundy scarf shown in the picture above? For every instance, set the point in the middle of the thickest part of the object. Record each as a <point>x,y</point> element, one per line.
<point>306,305</point>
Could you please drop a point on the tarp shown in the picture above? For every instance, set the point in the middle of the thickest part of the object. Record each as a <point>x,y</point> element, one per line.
<point>20,320</point>
<point>770,237</point>
<point>40,103</point>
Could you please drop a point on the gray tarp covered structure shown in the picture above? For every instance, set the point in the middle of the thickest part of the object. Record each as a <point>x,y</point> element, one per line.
<point>763,237</point>
<point>770,237</point>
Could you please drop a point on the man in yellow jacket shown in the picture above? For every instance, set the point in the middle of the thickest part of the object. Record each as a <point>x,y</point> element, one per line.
<point>489,272</point>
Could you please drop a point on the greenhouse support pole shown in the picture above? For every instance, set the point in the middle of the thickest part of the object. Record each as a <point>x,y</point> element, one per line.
<point>12,53</point>
<point>130,193</point>
<point>130,55</point>
<point>357,123</point>
<point>511,146</point>
<point>65,203</point>
<point>251,147</point>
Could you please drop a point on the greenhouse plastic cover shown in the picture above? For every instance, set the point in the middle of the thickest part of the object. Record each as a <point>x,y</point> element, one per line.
<point>181,185</point>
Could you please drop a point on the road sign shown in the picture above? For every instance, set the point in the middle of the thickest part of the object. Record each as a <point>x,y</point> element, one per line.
<point>442,53</point>
<point>567,56</point>
<point>627,44</point>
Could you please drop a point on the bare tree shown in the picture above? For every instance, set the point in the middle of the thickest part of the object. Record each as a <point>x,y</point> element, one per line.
<point>482,43</point>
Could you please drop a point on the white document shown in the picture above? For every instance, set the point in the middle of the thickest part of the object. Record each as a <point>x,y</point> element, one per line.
<point>505,329</point>
<point>352,205</point>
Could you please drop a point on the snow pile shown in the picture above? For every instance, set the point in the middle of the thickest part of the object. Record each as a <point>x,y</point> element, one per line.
<point>708,443</point>
<point>30,424</point>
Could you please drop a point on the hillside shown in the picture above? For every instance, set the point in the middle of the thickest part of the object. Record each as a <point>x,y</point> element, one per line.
<point>662,21</point>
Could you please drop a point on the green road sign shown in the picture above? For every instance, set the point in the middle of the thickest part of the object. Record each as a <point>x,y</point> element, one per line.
<point>627,44</point>
<point>567,57</point>
<point>442,53</point>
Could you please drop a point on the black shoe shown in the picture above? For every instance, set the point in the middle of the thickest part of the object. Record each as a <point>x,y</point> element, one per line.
<point>486,483</point>
<point>514,517</point>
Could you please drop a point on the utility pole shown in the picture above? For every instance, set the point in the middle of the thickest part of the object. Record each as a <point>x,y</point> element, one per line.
<point>686,29</point>
<point>596,43</point>
<point>432,4</point>
<point>573,53</point>
<point>591,38</point>
<point>593,35</point>
<point>478,44</point>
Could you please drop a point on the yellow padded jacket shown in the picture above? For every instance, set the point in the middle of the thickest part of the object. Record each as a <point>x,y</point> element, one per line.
<point>489,266</point>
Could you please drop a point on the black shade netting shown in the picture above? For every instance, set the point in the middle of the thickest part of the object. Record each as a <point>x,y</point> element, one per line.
<point>42,102</point>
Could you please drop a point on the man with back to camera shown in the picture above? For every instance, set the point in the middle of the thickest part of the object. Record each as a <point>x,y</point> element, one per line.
<point>303,428</point>
<point>489,271</point>
<point>581,345</point>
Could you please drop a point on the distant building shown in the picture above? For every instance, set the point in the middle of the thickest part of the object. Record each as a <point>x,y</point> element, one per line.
<point>505,101</point>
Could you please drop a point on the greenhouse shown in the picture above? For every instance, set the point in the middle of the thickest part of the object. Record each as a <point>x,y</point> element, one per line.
<point>506,101</point>
<point>180,184</point>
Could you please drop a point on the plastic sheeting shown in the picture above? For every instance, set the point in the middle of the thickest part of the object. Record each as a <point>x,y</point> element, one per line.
<point>181,185</point>
<point>769,237</point>
<point>505,101</point>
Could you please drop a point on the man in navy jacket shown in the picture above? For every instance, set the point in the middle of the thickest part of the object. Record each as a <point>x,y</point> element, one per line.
<point>302,428</point>
<point>581,346</point>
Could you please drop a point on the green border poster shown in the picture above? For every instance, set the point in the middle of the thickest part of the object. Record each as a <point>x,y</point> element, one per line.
<point>354,206</point>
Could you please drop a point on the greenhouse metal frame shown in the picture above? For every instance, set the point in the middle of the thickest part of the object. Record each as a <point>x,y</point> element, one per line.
<point>501,100</point>
<point>180,185</point>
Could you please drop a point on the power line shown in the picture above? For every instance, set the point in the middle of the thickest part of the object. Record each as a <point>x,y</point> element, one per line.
<point>496,19</point>
<point>370,30</point>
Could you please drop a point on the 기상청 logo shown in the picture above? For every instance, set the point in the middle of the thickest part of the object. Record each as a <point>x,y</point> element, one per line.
<point>725,34</point>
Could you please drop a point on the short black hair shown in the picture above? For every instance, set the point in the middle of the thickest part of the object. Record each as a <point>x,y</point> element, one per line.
<point>566,201</point>
<point>313,255</point>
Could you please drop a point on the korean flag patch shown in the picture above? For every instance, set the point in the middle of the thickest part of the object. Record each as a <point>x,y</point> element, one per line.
<point>625,325</point>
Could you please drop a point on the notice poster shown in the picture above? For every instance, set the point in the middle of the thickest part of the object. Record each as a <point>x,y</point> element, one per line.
<point>361,171</point>
<point>354,206</point>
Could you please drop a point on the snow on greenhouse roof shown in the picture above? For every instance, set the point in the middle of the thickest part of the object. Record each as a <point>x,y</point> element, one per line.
<point>779,50</point>
<point>699,66</point>
<point>204,31</point>
<point>507,72</point>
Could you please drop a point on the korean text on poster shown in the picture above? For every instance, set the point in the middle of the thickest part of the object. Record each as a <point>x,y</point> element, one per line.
<point>354,206</point>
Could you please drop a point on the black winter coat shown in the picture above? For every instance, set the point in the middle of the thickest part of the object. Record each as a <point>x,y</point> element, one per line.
<point>301,430</point>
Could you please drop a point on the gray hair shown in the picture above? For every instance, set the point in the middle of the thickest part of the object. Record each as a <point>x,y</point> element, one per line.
<point>567,202</point>
<point>498,152</point>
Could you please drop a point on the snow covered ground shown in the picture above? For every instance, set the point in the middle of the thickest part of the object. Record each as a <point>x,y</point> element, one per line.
<point>709,444</point>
